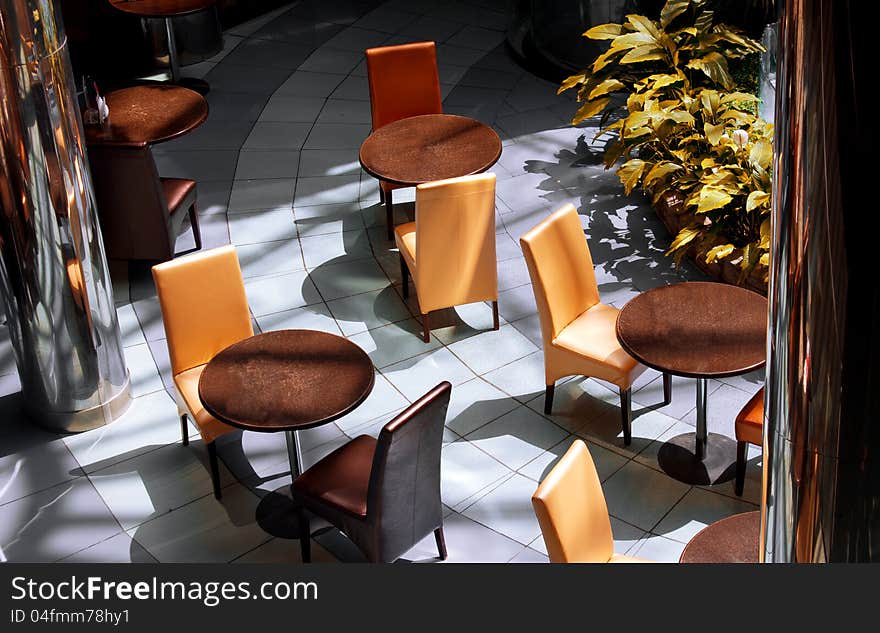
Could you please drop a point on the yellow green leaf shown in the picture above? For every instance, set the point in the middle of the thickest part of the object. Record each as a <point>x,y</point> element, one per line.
<point>631,40</point>
<point>712,198</point>
<point>630,172</point>
<point>756,199</point>
<point>609,85</point>
<point>643,54</point>
<point>660,171</point>
<point>761,154</point>
<point>714,66</point>
<point>571,82</point>
<point>643,24</point>
<point>719,252</point>
<point>604,32</point>
<point>590,108</point>
<point>684,237</point>
<point>714,132</point>
<point>671,10</point>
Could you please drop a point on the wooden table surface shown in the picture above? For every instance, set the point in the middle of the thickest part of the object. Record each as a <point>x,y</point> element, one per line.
<point>149,114</point>
<point>696,329</point>
<point>161,8</point>
<point>429,147</point>
<point>286,380</point>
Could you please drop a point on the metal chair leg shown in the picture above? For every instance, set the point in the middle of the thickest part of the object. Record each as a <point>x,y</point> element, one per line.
<point>404,276</point>
<point>495,322</point>
<point>626,415</point>
<point>667,388</point>
<point>441,542</point>
<point>548,399</point>
<point>740,468</point>
<point>389,214</point>
<point>215,468</point>
<point>184,428</point>
<point>194,223</point>
<point>305,537</point>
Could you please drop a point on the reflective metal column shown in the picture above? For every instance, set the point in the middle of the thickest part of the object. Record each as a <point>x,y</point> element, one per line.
<point>53,272</point>
<point>822,404</point>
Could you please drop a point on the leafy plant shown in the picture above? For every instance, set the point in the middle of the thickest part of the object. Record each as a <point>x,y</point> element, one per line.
<point>684,126</point>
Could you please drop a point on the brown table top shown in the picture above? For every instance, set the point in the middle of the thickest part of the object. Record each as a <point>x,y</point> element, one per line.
<point>161,8</point>
<point>696,329</point>
<point>735,539</point>
<point>152,113</point>
<point>429,147</point>
<point>286,380</point>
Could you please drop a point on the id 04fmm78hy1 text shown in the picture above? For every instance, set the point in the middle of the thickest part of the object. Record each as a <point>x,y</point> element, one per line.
<point>85,616</point>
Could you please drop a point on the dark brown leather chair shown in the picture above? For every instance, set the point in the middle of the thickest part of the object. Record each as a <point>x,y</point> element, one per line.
<point>141,214</point>
<point>383,494</point>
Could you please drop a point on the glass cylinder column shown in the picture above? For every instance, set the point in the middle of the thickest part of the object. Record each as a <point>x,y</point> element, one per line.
<point>53,272</point>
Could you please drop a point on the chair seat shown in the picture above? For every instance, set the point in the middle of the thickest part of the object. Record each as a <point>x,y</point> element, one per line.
<point>341,479</point>
<point>622,558</point>
<point>405,238</point>
<point>179,193</point>
<point>187,383</point>
<point>750,421</point>
<point>592,336</point>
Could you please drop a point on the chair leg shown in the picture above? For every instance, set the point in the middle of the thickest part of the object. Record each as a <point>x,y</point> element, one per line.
<point>184,429</point>
<point>389,214</point>
<point>426,326</point>
<point>404,276</point>
<point>667,388</point>
<point>548,399</point>
<point>194,223</point>
<point>740,468</point>
<point>626,415</point>
<point>215,468</point>
<point>305,537</point>
<point>495,323</point>
<point>441,542</point>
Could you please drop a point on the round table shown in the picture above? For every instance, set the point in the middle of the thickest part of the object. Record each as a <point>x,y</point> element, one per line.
<point>286,381</point>
<point>699,330</point>
<point>166,10</point>
<point>144,115</point>
<point>429,147</point>
<point>735,539</point>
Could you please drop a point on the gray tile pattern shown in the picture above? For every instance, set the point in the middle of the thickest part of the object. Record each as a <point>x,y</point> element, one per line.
<point>279,178</point>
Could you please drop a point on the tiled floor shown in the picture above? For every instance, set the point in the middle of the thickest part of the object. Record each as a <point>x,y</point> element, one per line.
<point>279,178</point>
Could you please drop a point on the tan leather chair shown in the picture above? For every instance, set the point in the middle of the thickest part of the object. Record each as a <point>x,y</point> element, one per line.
<point>450,248</point>
<point>205,310</point>
<point>404,82</point>
<point>141,214</point>
<point>571,511</point>
<point>578,330</point>
<point>749,427</point>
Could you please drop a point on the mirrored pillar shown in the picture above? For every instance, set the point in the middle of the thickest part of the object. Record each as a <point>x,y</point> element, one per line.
<point>53,272</point>
<point>822,404</point>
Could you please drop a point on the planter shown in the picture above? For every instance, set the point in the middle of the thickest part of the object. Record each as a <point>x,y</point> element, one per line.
<point>671,211</point>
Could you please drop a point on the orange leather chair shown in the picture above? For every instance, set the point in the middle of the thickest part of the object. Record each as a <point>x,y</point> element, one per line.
<point>450,248</point>
<point>749,428</point>
<point>403,82</point>
<point>577,328</point>
<point>205,310</point>
<point>571,511</point>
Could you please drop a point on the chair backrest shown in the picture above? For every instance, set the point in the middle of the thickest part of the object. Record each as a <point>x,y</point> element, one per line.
<point>455,242</point>
<point>561,269</point>
<point>571,510</point>
<point>403,82</point>
<point>203,304</point>
<point>403,498</point>
<point>135,222</point>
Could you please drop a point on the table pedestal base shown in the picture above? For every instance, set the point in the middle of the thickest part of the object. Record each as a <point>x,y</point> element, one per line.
<point>678,459</point>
